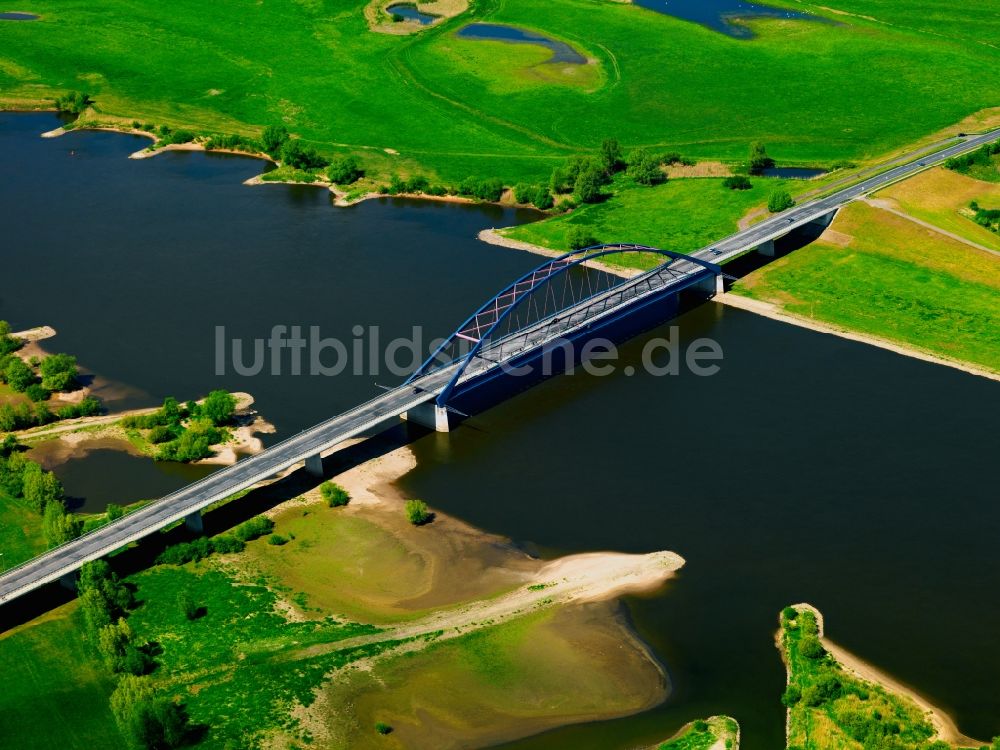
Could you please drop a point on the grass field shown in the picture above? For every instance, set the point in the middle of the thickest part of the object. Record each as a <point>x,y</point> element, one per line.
<point>453,108</point>
<point>55,692</point>
<point>681,215</point>
<point>20,532</point>
<point>893,279</point>
<point>939,195</point>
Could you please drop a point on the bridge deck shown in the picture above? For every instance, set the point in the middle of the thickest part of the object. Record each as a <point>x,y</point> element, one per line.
<point>157,515</point>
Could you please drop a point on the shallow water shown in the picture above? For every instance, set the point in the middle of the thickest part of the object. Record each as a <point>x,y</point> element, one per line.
<point>410,13</point>
<point>810,469</point>
<point>722,15</point>
<point>18,17</point>
<point>561,52</point>
<point>793,173</point>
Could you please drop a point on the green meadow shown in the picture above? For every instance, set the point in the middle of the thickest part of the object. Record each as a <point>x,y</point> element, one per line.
<point>451,107</point>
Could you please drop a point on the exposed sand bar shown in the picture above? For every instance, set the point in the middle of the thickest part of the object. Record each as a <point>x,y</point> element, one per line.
<point>769,310</point>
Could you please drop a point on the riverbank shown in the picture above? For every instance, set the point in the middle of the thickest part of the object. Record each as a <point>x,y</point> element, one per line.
<point>774,312</point>
<point>905,704</point>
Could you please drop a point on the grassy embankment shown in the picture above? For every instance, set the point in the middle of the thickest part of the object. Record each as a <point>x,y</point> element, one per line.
<point>715,733</point>
<point>831,708</point>
<point>942,197</point>
<point>882,275</point>
<point>263,661</point>
<point>814,92</point>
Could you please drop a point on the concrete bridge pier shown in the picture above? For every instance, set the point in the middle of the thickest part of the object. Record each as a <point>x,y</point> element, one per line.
<point>314,465</point>
<point>714,284</point>
<point>194,523</point>
<point>429,415</point>
<point>826,219</point>
<point>766,249</point>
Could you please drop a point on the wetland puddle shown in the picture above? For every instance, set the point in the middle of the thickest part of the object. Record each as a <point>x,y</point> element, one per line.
<point>561,52</point>
<point>11,16</point>
<point>723,16</point>
<point>410,13</point>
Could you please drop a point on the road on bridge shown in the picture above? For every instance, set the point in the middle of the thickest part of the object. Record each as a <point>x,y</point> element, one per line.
<point>161,513</point>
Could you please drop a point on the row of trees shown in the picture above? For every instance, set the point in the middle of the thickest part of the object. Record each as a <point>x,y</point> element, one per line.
<point>146,718</point>
<point>220,544</point>
<point>23,479</point>
<point>982,157</point>
<point>986,217</point>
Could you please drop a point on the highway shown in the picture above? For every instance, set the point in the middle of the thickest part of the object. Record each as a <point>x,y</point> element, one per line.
<point>161,513</point>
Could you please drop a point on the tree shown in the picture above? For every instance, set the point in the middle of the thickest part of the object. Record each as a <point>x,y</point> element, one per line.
<point>811,648</point>
<point>611,156</point>
<point>58,371</point>
<point>334,494</point>
<point>779,201</point>
<point>580,238</point>
<point>18,375</point>
<point>759,160</point>
<point>274,138</point>
<point>345,170</point>
<point>382,728</point>
<point>219,406</point>
<point>543,199</point>
<point>737,182</point>
<point>294,154</point>
<point>186,604</point>
<point>58,526</point>
<point>523,192</point>
<point>587,187</point>
<point>113,641</point>
<point>417,512</point>
<point>150,721</point>
<point>40,488</point>
<point>791,696</point>
<point>8,343</point>
<point>114,512</point>
<point>644,168</point>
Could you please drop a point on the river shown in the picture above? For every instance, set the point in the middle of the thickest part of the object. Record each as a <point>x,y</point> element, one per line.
<point>809,469</point>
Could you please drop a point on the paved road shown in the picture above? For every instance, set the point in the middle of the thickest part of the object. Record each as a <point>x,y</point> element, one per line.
<point>65,559</point>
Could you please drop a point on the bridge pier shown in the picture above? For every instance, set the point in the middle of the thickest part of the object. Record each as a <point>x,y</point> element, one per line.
<point>714,284</point>
<point>766,249</point>
<point>194,523</point>
<point>429,415</point>
<point>314,465</point>
<point>826,219</point>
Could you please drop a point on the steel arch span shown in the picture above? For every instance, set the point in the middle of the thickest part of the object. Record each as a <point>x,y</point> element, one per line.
<point>525,313</point>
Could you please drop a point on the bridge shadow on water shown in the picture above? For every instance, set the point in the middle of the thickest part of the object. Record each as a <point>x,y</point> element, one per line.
<point>143,554</point>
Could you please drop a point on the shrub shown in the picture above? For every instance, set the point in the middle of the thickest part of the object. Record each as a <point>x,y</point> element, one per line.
<point>294,154</point>
<point>643,168</point>
<point>88,407</point>
<point>701,725</point>
<point>345,170</point>
<point>186,604</point>
<point>277,540</point>
<point>254,528</point>
<point>580,238</point>
<point>58,371</point>
<point>160,434</point>
<point>489,190</point>
<point>334,494</point>
<point>779,201</point>
<point>737,182</point>
<point>524,193</point>
<point>611,156</point>
<point>273,138</point>
<point>73,102</point>
<point>671,157</point>
<point>36,392</point>
<point>791,696</point>
<point>417,512</point>
<point>382,728</point>
<point>18,375</point>
<point>759,160</point>
<point>114,512</point>
<point>8,343</point>
<point>588,183</point>
<point>219,407</point>
<point>789,613</point>
<point>543,199</point>
<point>811,648</point>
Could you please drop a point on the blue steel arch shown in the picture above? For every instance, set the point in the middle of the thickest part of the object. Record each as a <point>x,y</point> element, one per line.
<point>497,309</point>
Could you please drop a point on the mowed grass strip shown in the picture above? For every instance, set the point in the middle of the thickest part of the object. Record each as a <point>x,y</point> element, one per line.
<point>55,691</point>
<point>938,197</point>
<point>892,279</point>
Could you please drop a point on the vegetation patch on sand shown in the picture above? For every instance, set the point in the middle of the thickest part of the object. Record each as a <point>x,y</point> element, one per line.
<point>714,733</point>
<point>832,706</point>
<point>380,19</point>
<point>895,280</point>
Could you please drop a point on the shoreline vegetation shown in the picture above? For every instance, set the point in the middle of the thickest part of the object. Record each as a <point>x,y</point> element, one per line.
<point>332,617</point>
<point>834,699</point>
<point>713,733</point>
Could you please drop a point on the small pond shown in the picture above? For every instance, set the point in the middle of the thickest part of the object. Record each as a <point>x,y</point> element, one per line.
<point>722,15</point>
<point>110,476</point>
<point>410,13</point>
<point>18,17</point>
<point>561,52</point>
<point>793,173</point>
